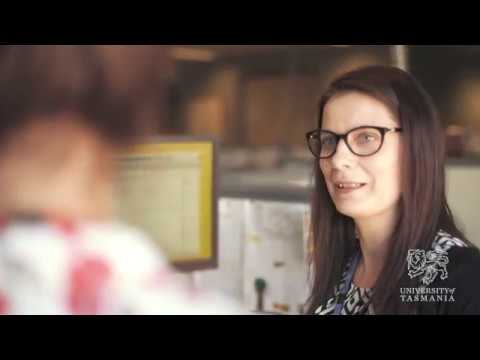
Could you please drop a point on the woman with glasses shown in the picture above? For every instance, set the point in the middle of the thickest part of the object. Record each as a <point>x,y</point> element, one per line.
<point>383,238</point>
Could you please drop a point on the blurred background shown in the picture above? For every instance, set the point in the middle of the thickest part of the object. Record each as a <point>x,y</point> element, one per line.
<point>258,101</point>
<point>263,97</point>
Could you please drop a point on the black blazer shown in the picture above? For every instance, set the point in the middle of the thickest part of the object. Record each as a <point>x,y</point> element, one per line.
<point>464,277</point>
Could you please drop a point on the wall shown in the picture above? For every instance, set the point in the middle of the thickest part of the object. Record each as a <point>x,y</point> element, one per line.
<point>463,192</point>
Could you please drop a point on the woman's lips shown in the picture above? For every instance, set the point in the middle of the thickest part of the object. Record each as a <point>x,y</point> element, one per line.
<point>348,187</point>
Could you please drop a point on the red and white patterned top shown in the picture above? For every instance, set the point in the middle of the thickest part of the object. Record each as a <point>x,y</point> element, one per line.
<point>90,269</point>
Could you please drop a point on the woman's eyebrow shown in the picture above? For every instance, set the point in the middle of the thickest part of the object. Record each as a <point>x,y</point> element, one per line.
<point>362,124</point>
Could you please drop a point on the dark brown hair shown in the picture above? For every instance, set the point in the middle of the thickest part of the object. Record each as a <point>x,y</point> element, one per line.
<point>423,204</point>
<point>107,86</point>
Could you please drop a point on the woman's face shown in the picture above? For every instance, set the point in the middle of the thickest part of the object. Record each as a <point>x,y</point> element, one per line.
<point>362,187</point>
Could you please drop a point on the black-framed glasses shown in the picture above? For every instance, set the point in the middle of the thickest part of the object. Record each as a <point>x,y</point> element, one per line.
<point>361,141</point>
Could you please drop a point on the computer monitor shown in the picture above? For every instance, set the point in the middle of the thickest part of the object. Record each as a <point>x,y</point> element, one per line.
<point>168,188</point>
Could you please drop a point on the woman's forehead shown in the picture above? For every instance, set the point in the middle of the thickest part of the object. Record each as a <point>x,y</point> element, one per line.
<point>348,110</point>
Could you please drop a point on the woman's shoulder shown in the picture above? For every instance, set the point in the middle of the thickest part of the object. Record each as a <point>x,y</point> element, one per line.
<point>461,253</point>
<point>463,274</point>
<point>444,241</point>
<point>464,265</point>
<point>463,258</point>
<point>463,278</point>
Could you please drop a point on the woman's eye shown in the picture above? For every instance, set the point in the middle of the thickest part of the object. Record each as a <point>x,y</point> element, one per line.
<point>327,142</point>
<point>366,138</point>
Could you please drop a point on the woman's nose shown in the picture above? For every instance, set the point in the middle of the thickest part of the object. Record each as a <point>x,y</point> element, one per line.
<point>343,157</point>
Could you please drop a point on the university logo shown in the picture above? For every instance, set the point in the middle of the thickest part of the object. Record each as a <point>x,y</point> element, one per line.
<point>427,265</point>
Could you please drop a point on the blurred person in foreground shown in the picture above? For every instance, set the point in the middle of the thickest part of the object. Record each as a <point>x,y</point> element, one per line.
<point>65,112</point>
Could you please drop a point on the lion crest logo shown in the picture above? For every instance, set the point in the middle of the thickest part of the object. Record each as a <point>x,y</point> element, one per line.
<point>428,265</point>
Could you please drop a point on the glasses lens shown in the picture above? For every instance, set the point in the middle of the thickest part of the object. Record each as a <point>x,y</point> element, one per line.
<point>365,141</point>
<point>327,144</point>
<point>322,144</point>
<point>314,144</point>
